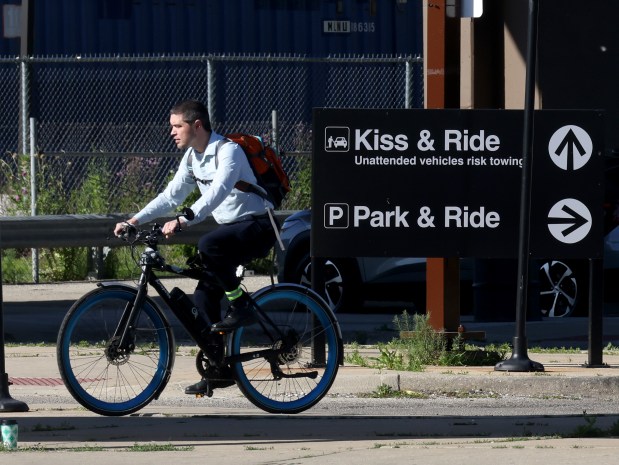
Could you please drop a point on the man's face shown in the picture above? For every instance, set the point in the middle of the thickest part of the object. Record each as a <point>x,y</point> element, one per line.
<point>182,132</point>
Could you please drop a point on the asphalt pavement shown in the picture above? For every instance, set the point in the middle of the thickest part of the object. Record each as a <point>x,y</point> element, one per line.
<point>504,425</point>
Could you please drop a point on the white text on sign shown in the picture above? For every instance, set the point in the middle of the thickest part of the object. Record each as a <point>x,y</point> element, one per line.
<point>461,141</point>
<point>337,216</point>
<point>461,217</point>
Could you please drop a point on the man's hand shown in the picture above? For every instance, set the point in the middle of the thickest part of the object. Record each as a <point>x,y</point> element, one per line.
<point>121,227</point>
<point>171,227</point>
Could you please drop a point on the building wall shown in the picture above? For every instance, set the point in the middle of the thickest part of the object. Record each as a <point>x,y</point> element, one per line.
<point>309,27</point>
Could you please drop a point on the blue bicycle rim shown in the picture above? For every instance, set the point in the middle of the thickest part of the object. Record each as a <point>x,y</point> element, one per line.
<point>160,373</point>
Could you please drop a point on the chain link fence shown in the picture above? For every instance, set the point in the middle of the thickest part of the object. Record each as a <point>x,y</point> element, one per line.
<point>99,125</point>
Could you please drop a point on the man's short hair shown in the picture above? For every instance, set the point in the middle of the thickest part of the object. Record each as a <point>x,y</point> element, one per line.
<point>193,110</point>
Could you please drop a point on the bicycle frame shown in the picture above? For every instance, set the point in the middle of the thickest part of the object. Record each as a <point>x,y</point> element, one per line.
<point>151,259</point>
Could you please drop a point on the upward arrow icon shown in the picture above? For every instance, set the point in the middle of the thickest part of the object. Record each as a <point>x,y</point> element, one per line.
<point>571,142</point>
<point>570,148</point>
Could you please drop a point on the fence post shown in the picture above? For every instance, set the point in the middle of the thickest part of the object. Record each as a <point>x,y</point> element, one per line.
<point>210,79</point>
<point>33,194</point>
<point>408,84</point>
<point>275,130</point>
<point>25,107</point>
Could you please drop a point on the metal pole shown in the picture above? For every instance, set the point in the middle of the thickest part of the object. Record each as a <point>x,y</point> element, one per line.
<point>596,313</point>
<point>210,79</point>
<point>408,82</point>
<point>275,130</point>
<point>7,403</point>
<point>25,111</point>
<point>319,355</point>
<point>519,360</point>
<point>33,194</point>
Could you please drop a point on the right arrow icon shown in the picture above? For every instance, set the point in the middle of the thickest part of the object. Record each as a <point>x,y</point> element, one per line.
<point>569,221</point>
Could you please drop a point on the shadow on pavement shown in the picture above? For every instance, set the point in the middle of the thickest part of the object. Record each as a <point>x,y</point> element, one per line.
<point>248,429</point>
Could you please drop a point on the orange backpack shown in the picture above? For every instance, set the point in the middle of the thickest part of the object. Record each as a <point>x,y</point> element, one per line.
<point>266,165</point>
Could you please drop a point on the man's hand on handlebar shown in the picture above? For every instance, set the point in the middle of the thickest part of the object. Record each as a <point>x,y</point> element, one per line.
<point>172,227</point>
<point>128,227</point>
<point>121,228</point>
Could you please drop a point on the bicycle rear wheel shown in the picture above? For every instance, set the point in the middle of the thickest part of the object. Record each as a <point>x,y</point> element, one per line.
<point>102,378</point>
<point>306,356</point>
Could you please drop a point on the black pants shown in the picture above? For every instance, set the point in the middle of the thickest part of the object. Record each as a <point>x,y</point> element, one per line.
<point>222,251</point>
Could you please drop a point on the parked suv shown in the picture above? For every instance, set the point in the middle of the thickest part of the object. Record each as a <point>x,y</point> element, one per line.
<point>563,285</point>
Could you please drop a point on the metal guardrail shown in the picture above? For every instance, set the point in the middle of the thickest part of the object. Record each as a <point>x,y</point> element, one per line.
<point>84,231</point>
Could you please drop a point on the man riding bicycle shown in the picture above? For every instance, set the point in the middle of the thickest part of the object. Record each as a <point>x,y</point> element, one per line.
<point>214,165</point>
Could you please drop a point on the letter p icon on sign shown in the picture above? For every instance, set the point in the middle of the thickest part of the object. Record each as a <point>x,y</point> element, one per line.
<point>336,215</point>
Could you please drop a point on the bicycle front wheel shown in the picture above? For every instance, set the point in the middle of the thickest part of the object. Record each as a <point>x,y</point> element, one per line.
<point>102,376</point>
<point>300,342</point>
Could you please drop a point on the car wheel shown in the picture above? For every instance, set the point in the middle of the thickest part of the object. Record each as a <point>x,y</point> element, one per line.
<point>342,289</point>
<point>558,289</point>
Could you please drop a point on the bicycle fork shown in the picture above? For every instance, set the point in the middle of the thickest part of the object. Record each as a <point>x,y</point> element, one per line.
<point>122,339</point>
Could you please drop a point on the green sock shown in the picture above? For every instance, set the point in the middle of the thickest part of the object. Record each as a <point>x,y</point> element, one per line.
<point>235,294</point>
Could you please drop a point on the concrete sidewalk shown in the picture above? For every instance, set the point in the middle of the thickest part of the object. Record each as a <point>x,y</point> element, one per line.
<point>179,428</point>
<point>566,371</point>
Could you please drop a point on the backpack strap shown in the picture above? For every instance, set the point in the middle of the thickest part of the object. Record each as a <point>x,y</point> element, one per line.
<point>241,185</point>
<point>190,161</point>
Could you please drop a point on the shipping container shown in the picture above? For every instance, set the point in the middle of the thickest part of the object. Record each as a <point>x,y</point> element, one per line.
<point>314,28</point>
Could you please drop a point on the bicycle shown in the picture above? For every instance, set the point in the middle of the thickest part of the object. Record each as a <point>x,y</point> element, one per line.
<point>116,347</point>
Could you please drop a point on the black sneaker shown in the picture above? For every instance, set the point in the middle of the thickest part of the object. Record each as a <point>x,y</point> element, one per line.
<point>240,314</point>
<point>217,378</point>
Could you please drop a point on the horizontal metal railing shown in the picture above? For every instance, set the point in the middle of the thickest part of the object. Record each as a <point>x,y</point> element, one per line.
<point>84,231</point>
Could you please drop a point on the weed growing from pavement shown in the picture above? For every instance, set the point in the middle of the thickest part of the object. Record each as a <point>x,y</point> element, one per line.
<point>135,448</point>
<point>86,449</point>
<point>30,344</point>
<point>158,448</point>
<point>590,430</point>
<point>386,391</point>
<point>424,347</point>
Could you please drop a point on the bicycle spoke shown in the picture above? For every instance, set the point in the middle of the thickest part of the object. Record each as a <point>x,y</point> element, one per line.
<point>100,374</point>
<point>291,377</point>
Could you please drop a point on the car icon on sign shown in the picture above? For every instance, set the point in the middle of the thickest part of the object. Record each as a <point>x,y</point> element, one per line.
<point>340,142</point>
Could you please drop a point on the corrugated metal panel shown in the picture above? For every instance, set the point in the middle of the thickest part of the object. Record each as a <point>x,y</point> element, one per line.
<point>215,26</point>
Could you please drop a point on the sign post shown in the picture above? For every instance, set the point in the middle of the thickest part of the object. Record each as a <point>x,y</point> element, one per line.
<point>7,403</point>
<point>519,361</point>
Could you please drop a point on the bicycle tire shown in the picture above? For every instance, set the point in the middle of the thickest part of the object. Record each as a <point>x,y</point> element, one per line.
<point>298,312</point>
<point>104,382</point>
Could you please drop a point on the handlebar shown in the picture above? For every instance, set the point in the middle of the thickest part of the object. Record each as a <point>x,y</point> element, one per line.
<point>131,234</point>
